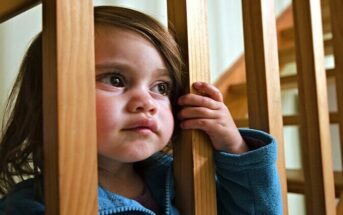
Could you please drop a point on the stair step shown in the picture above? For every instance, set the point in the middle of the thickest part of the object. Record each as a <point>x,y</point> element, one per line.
<point>295,181</point>
<point>286,82</point>
<point>287,54</point>
<point>287,120</point>
<point>287,34</point>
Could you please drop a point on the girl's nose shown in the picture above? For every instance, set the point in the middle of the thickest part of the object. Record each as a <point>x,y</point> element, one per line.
<point>142,102</point>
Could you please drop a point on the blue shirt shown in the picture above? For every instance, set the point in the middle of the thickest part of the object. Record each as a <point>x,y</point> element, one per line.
<point>246,183</point>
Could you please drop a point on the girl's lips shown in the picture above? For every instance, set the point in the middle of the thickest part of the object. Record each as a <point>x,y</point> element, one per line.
<point>143,125</point>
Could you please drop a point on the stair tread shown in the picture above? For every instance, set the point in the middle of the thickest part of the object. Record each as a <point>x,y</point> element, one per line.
<point>287,34</point>
<point>287,120</point>
<point>287,54</point>
<point>295,181</point>
<point>286,82</point>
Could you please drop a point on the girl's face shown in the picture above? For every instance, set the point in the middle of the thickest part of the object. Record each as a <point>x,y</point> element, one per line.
<point>134,116</point>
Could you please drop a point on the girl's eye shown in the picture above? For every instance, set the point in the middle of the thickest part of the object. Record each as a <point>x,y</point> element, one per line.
<point>162,88</point>
<point>113,79</point>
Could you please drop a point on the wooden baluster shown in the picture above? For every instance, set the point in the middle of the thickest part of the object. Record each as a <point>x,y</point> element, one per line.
<point>70,166</point>
<point>263,81</point>
<point>194,170</point>
<point>336,7</point>
<point>340,205</point>
<point>313,110</point>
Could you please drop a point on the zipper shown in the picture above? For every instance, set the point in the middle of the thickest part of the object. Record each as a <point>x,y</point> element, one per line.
<point>167,194</point>
<point>126,209</point>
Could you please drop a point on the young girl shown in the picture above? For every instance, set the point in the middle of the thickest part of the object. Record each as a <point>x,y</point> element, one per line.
<point>139,110</point>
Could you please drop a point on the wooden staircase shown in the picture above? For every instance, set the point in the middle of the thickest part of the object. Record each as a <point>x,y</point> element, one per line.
<point>315,180</point>
<point>234,87</point>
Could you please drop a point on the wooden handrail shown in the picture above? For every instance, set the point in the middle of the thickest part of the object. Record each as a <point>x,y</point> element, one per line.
<point>11,8</point>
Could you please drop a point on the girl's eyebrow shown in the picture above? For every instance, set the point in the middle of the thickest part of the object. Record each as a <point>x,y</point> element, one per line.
<point>109,65</point>
<point>115,65</point>
<point>163,71</point>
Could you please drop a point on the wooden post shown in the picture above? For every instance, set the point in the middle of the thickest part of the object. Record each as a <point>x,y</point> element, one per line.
<point>263,79</point>
<point>339,209</point>
<point>313,110</point>
<point>70,166</point>
<point>193,159</point>
<point>336,7</point>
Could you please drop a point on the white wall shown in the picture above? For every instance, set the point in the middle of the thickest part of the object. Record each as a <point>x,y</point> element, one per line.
<point>155,8</point>
<point>15,35</point>
<point>226,32</point>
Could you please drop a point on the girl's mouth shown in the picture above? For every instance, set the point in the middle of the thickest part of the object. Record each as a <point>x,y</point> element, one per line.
<point>143,126</point>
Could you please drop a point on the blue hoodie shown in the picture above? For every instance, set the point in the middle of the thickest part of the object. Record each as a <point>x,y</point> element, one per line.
<point>246,184</point>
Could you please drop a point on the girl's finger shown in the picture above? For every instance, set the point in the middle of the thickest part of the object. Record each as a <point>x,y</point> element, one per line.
<point>203,124</point>
<point>198,100</point>
<point>197,112</point>
<point>208,90</point>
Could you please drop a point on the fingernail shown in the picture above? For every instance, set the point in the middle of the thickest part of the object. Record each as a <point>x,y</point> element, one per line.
<point>197,84</point>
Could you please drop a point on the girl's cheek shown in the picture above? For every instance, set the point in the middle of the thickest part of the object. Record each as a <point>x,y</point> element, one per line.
<point>170,120</point>
<point>106,110</point>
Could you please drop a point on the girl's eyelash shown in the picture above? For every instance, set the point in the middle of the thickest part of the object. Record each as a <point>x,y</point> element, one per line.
<point>101,76</point>
<point>118,80</point>
<point>166,91</point>
<point>115,79</point>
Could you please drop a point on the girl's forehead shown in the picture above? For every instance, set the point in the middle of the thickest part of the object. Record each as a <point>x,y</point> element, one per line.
<point>107,30</point>
<point>103,27</point>
<point>106,34</point>
<point>121,48</point>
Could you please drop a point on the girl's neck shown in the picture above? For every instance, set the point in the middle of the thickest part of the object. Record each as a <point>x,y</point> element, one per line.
<point>121,179</point>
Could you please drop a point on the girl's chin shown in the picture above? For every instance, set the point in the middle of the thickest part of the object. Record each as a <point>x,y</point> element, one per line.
<point>130,157</point>
<point>140,156</point>
<point>130,152</point>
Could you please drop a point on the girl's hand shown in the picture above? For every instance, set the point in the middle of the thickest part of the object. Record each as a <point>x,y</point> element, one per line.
<point>207,112</point>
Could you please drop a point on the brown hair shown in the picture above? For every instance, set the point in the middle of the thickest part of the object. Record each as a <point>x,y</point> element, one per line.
<point>22,140</point>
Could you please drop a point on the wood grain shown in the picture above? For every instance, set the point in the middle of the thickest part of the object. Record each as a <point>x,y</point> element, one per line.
<point>263,82</point>
<point>70,164</point>
<point>193,165</point>
<point>313,101</point>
